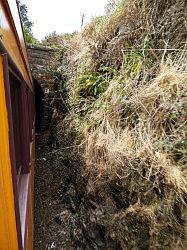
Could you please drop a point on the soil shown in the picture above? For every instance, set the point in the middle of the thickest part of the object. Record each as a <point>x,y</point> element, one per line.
<point>51,232</point>
<point>67,216</point>
<point>62,208</point>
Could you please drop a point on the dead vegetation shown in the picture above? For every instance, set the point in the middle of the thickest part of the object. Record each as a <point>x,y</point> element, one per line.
<point>129,147</point>
<point>126,83</point>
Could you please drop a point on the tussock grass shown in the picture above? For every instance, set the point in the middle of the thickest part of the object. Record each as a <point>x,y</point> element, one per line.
<point>135,156</point>
<point>127,103</point>
<point>110,141</point>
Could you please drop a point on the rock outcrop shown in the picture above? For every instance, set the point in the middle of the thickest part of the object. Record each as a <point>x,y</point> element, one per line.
<point>44,66</point>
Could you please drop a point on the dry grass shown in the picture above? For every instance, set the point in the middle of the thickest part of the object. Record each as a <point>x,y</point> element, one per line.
<point>136,156</point>
<point>134,132</point>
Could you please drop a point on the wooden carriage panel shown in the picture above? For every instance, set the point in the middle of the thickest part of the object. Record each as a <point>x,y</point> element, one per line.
<point>8,230</point>
<point>11,38</point>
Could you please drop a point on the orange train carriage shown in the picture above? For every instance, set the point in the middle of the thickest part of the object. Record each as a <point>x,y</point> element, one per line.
<point>16,134</point>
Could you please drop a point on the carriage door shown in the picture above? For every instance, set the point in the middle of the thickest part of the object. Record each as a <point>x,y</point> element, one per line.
<point>21,127</point>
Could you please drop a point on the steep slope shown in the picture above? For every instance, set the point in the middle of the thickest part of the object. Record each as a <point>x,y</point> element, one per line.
<point>124,80</point>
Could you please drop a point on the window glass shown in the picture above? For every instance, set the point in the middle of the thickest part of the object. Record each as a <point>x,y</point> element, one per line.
<point>15,90</point>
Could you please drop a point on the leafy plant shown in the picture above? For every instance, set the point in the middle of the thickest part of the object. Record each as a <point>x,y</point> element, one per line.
<point>91,84</point>
<point>27,24</point>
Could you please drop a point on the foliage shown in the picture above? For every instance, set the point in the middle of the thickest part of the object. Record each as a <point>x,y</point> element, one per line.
<point>111,5</point>
<point>55,40</point>
<point>27,24</point>
<point>29,38</point>
<point>90,84</point>
<point>126,99</point>
<point>93,84</point>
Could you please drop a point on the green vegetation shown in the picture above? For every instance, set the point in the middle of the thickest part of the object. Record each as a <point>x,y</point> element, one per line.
<point>27,24</point>
<point>56,41</point>
<point>126,102</point>
<point>91,84</point>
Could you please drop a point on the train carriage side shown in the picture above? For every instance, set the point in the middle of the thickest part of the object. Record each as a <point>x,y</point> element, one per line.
<point>16,134</point>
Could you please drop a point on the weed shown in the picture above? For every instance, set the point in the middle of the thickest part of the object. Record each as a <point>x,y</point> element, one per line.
<point>128,105</point>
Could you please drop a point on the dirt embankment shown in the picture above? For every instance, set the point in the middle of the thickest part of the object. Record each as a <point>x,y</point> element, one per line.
<point>118,147</point>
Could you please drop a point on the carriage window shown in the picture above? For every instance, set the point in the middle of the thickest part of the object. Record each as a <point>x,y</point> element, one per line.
<point>15,89</point>
<point>21,119</point>
<point>21,113</point>
<point>20,107</point>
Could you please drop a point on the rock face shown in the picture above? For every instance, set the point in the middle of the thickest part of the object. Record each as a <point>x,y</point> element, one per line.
<point>42,63</point>
<point>43,66</point>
